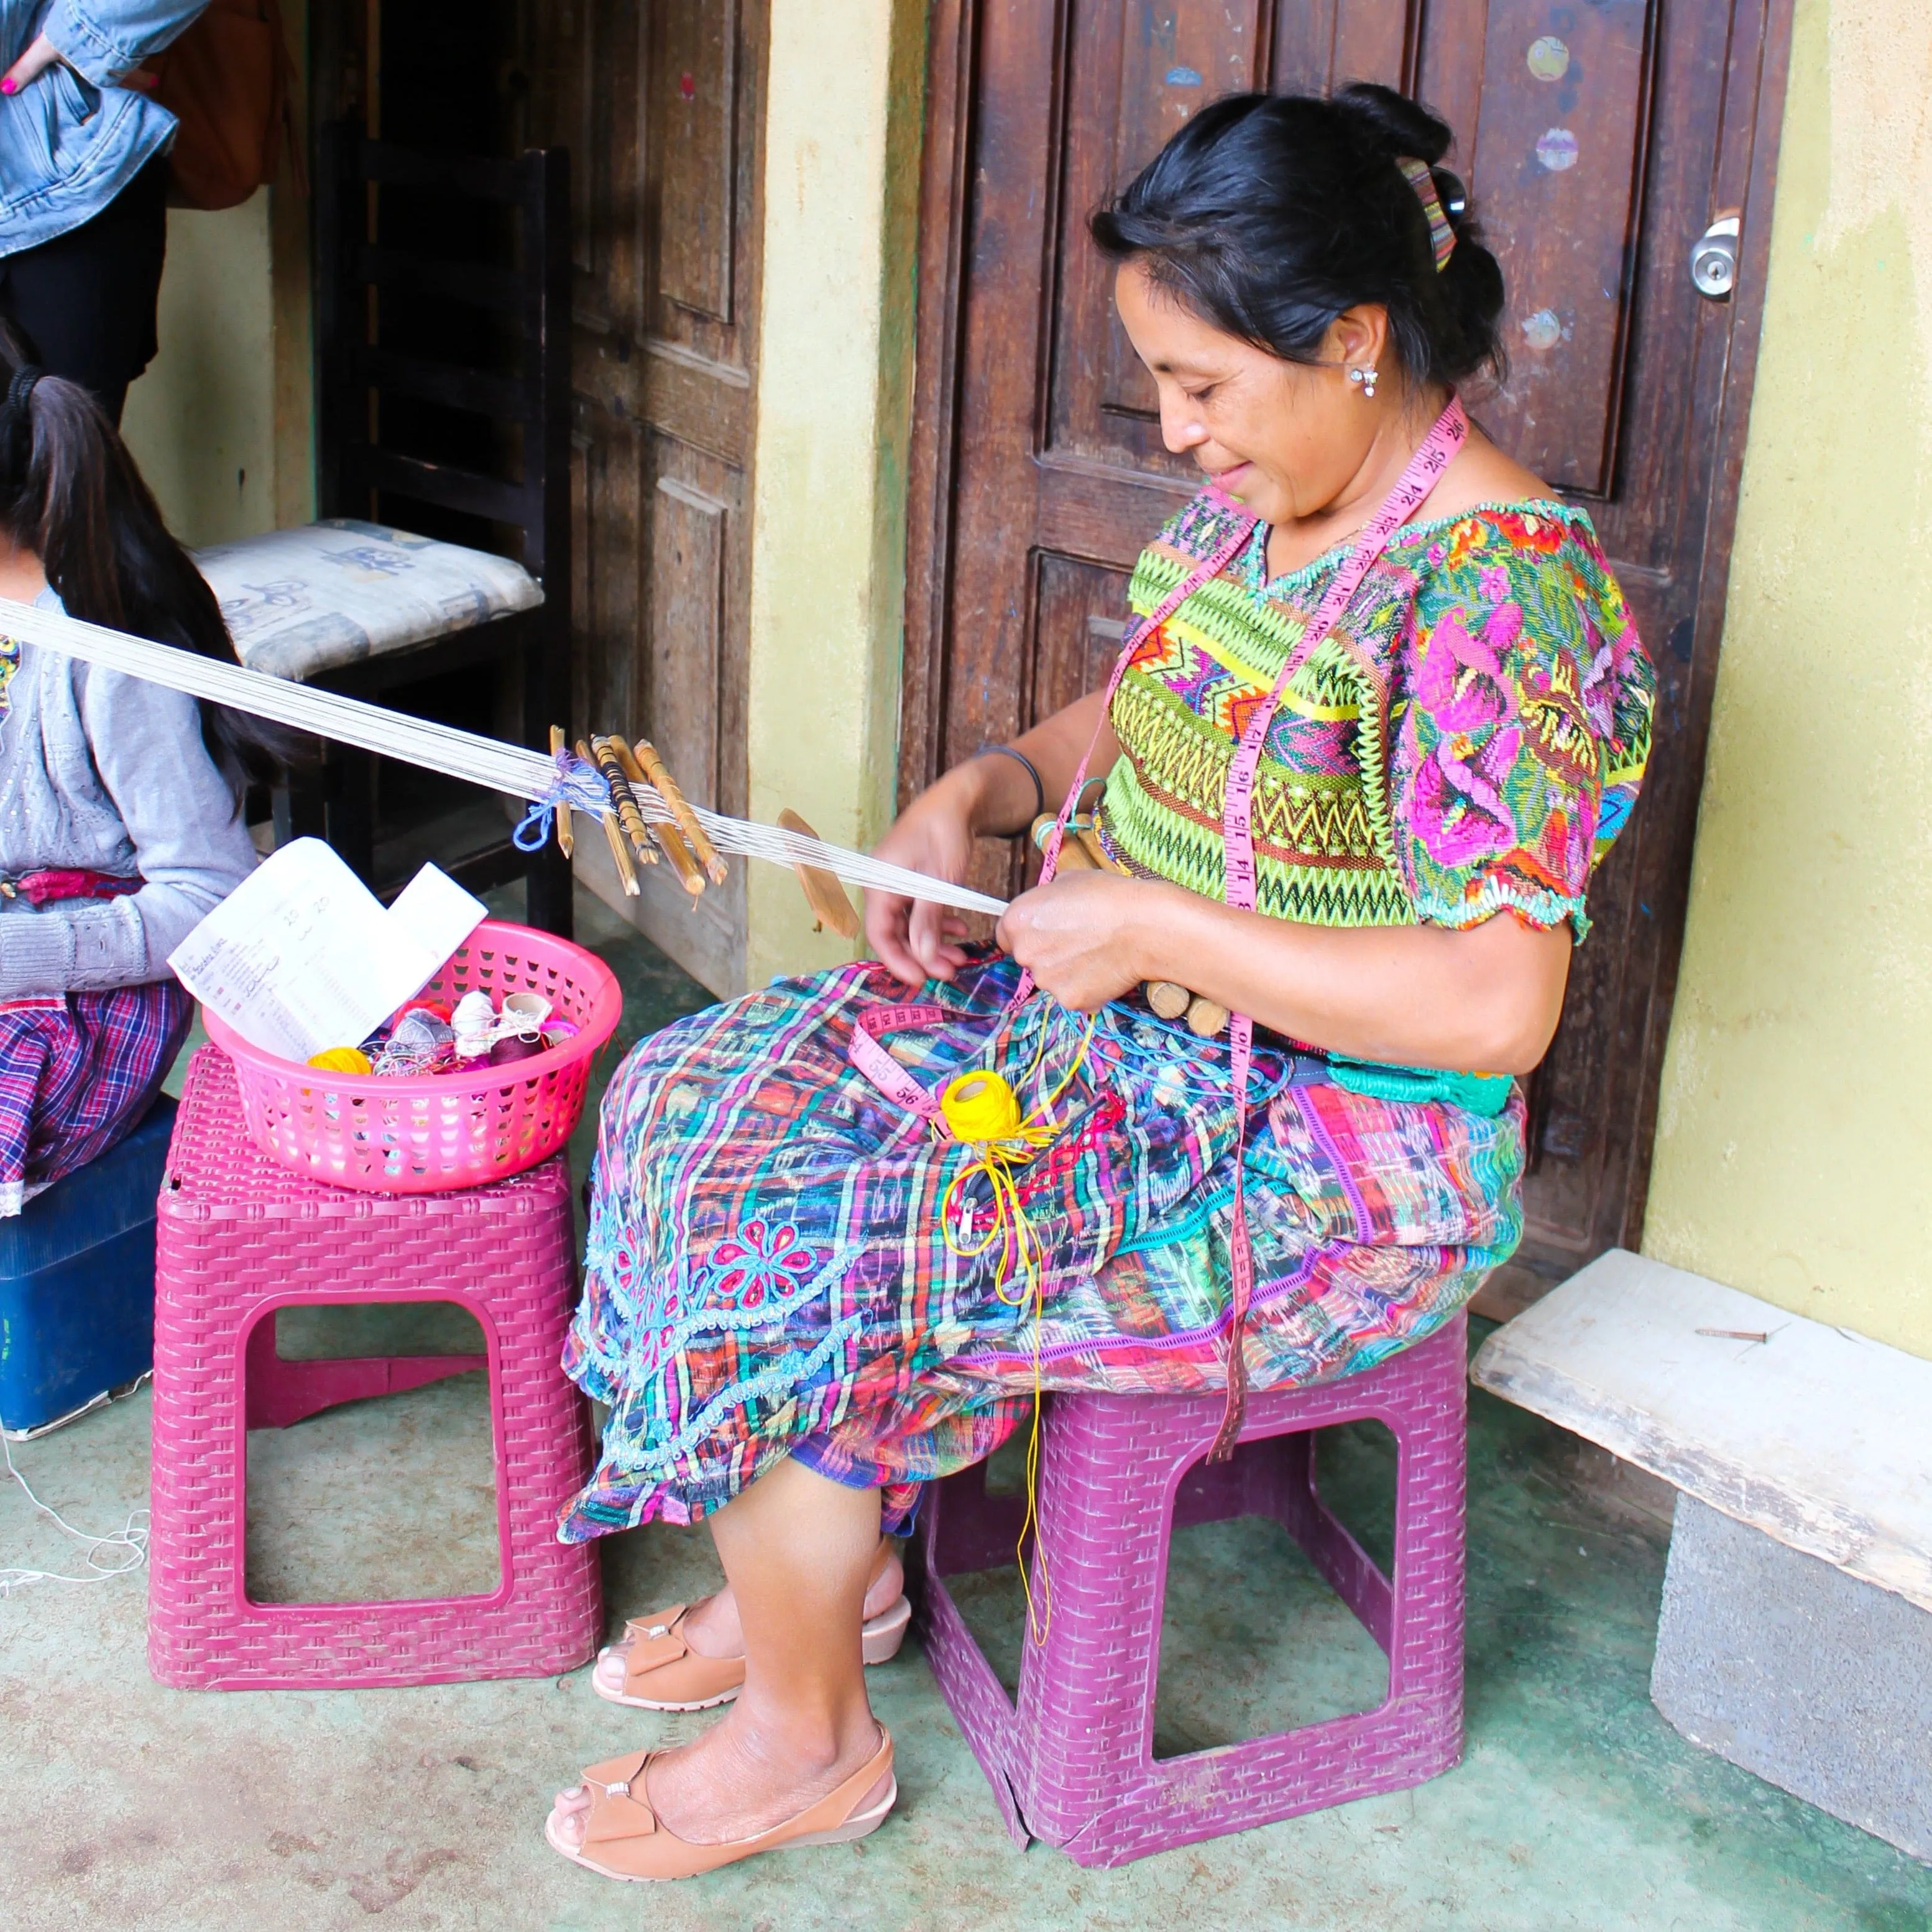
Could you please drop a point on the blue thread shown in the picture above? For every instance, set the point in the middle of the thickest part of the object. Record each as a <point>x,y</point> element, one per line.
<point>576,784</point>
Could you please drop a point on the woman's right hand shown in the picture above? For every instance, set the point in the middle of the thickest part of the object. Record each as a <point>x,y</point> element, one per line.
<point>916,940</point>
<point>989,796</point>
<point>41,54</point>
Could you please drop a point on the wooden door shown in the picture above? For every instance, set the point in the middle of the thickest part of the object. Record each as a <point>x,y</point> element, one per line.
<point>660,103</point>
<point>1598,140</point>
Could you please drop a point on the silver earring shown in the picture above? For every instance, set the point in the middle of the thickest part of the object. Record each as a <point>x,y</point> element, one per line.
<point>1364,379</point>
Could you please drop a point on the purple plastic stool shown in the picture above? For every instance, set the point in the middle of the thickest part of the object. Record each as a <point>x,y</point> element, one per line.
<point>1074,1763</point>
<point>240,1238</point>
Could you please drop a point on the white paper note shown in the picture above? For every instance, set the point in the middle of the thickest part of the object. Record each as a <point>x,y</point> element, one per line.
<point>301,955</point>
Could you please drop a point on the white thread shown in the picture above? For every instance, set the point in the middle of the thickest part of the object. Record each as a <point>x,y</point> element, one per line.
<point>441,748</point>
<point>130,1540</point>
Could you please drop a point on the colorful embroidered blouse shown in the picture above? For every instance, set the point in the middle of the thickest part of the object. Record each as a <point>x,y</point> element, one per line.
<point>1471,737</point>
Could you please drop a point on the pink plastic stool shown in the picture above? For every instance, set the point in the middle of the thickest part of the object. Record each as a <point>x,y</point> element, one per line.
<point>239,1236</point>
<point>1074,1763</point>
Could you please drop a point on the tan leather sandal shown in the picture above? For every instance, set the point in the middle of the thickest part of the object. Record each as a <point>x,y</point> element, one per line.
<point>662,1673</point>
<point>623,1839</point>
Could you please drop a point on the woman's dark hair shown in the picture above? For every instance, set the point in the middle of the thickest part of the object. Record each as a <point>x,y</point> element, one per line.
<point>70,493</point>
<point>1270,214</point>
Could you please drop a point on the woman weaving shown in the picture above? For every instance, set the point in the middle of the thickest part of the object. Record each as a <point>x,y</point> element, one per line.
<point>795,1323</point>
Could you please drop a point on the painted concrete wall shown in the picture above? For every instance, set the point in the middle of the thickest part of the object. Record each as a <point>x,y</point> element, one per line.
<point>202,420</point>
<point>835,388</point>
<point>221,423</point>
<point>1794,1150</point>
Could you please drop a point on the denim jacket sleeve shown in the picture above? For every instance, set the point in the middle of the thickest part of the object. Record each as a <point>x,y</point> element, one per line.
<point>101,39</point>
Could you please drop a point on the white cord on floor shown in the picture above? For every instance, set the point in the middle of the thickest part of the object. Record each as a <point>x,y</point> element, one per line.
<point>129,1544</point>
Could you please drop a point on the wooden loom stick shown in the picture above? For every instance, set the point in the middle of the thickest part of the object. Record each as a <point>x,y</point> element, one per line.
<point>668,836</point>
<point>620,853</point>
<point>652,768</point>
<point>1205,1017</point>
<point>822,892</point>
<point>566,840</point>
<point>627,871</point>
<point>624,800</point>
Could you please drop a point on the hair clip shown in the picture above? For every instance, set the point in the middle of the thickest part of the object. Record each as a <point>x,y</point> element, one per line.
<point>1442,236</point>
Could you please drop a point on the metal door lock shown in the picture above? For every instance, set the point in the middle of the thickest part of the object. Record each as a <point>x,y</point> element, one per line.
<point>1714,261</point>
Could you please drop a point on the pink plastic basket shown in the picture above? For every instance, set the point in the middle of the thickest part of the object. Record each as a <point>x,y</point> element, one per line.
<point>439,1132</point>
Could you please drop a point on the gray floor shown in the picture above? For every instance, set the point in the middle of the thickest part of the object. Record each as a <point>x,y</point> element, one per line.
<point>1576,1806</point>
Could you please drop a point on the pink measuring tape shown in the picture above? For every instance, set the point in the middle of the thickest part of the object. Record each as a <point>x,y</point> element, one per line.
<point>1425,469</point>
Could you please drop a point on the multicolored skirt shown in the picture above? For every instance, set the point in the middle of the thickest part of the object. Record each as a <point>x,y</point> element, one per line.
<point>767,1274</point>
<point>77,1071</point>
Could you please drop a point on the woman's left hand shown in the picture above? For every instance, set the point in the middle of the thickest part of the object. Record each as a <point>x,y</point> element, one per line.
<point>1083,936</point>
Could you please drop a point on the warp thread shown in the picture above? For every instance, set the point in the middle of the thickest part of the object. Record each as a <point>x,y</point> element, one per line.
<point>512,770</point>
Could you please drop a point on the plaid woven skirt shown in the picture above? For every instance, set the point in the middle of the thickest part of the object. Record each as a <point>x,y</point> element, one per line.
<point>77,1071</point>
<point>767,1274</point>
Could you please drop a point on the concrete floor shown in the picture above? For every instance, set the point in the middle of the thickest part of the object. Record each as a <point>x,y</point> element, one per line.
<point>1576,1806</point>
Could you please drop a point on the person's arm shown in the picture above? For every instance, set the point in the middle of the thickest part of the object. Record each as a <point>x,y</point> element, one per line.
<point>988,796</point>
<point>104,41</point>
<point>190,847</point>
<point>1484,1000</point>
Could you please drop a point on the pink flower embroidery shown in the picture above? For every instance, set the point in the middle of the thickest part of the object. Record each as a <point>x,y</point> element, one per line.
<point>763,1259</point>
<point>1600,682</point>
<point>1460,812</point>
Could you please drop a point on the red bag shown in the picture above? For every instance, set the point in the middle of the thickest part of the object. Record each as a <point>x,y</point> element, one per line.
<point>227,79</point>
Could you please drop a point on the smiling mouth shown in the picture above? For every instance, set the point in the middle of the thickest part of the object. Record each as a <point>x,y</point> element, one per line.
<point>1233,474</point>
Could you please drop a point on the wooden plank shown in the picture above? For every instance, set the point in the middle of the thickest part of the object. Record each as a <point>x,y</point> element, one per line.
<point>1816,1435</point>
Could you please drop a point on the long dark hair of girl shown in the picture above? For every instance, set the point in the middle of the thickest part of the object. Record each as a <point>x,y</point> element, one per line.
<point>70,493</point>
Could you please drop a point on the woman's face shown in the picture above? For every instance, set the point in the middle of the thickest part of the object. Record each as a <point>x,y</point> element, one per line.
<point>1285,439</point>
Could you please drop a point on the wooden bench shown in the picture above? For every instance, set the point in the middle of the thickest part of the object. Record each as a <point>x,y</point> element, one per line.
<point>1796,1635</point>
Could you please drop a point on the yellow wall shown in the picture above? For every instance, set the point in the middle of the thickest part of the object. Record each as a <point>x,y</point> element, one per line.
<point>202,421</point>
<point>220,422</point>
<point>835,387</point>
<point>1794,1150</point>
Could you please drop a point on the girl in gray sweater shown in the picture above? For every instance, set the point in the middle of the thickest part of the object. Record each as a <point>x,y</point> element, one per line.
<point>120,824</point>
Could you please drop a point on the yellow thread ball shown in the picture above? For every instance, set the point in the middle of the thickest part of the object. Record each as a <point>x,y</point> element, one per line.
<point>340,1059</point>
<point>980,1106</point>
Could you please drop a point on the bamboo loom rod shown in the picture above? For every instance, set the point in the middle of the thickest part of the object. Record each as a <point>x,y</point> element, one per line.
<point>457,754</point>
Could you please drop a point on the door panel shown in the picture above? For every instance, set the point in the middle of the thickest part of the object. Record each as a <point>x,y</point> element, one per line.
<point>660,103</point>
<point>1559,147</point>
<point>1598,138</point>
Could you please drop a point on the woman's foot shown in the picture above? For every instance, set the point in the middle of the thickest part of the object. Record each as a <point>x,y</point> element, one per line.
<point>742,1778</point>
<point>711,1629</point>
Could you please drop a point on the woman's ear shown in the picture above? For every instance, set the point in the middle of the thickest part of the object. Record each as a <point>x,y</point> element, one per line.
<point>1358,338</point>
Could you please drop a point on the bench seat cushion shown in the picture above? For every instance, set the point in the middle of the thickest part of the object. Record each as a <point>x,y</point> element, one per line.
<point>300,602</point>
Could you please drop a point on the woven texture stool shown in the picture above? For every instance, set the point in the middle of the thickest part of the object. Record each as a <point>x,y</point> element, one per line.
<point>1073,1763</point>
<point>238,1237</point>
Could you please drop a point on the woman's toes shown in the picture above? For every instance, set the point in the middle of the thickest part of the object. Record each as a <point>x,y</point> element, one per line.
<point>608,1673</point>
<point>567,1812</point>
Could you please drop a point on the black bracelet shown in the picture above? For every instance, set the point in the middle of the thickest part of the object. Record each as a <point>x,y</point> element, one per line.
<point>1032,772</point>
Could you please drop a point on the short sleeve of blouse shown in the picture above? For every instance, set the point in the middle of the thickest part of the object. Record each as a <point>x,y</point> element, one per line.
<point>1521,721</point>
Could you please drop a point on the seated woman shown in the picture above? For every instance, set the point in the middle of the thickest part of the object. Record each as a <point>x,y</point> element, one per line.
<point>792,1329</point>
<point>120,823</point>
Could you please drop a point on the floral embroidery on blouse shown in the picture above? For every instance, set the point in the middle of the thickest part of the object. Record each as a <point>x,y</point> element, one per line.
<point>1471,737</point>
